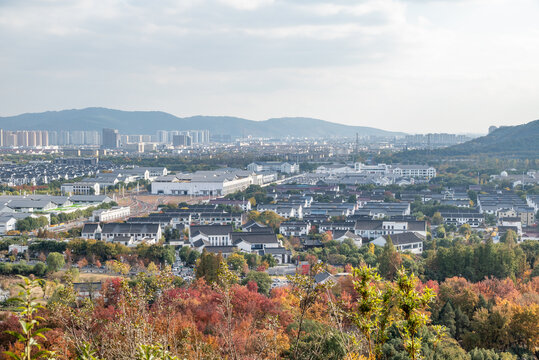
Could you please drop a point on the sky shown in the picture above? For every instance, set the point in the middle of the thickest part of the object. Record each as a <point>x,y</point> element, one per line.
<point>416,66</point>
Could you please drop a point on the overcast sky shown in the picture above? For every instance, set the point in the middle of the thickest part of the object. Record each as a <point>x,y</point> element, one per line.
<point>414,65</point>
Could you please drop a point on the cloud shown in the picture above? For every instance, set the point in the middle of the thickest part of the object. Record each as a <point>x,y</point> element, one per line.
<point>344,60</point>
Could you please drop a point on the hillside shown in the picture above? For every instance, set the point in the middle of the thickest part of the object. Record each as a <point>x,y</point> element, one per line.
<point>507,141</point>
<point>147,122</point>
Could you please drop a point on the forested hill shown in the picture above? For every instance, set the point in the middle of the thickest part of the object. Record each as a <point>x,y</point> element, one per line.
<point>148,122</point>
<point>520,141</point>
<point>506,139</point>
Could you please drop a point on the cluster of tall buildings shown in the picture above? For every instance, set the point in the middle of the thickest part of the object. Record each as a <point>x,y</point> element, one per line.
<point>183,138</point>
<point>75,137</point>
<point>108,138</point>
<point>24,138</point>
<point>435,140</point>
<point>43,138</point>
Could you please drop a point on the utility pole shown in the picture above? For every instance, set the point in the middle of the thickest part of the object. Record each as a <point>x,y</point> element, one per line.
<point>357,146</point>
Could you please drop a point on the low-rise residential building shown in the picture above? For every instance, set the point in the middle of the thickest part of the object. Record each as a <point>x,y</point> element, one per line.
<point>285,210</point>
<point>336,226</point>
<point>511,223</point>
<point>340,236</point>
<point>472,218</point>
<point>380,210</point>
<point>375,228</point>
<point>254,241</point>
<point>331,209</point>
<point>407,241</point>
<point>7,223</point>
<point>132,234</point>
<point>201,236</point>
<point>91,231</point>
<point>294,228</point>
<point>244,205</point>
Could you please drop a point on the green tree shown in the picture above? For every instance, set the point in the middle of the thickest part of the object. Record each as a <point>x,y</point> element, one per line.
<point>372,315</point>
<point>236,262</point>
<point>465,230</point>
<point>509,238</point>
<point>270,260</point>
<point>389,260</point>
<point>192,258</point>
<point>437,218</point>
<point>55,261</point>
<point>411,306</point>
<point>440,232</point>
<point>208,266</point>
<point>262,280</point>
<point>447,318</point>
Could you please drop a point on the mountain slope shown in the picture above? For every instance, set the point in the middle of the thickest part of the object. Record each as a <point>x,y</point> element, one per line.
<point>520,141</point>
<point>147,122</point>
<point>505,139</point>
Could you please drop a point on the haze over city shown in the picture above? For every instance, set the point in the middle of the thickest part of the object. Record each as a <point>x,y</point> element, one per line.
<point>411,66</point>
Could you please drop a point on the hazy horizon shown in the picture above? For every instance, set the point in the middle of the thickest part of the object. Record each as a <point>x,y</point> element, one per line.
<point>399,65</point>
<point>245,118</point>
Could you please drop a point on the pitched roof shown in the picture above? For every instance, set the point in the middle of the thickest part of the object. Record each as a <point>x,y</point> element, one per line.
<point>347,234</point>
<point>368,224</point>
<point>254,238</point>
<point>211,229</point>
<point>130,228</point>
<point>405,238</point>
<point>90,228</point>
<point>221,249</point>
<point>277,251</point>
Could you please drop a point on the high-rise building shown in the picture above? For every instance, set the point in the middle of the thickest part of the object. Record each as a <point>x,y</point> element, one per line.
<point>111,139</point>
<point>91,138</point>
<point>181,140</point>
<point>44,138</point>
<point>162,136</point>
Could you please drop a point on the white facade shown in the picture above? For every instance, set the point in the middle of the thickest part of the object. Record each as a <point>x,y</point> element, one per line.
<point>201,183</point>
<point>411,171</point>
<point>7,223</point>
<point>413,247</point>
<point>80,188</point>
<point>284,167</point>
<point>111,214</point>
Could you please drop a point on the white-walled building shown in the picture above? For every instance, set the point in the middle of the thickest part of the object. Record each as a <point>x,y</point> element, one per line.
<point>408,241</point>
<point>80,188</point>
<point>203,183</point>
<point>283,167</point>
<point>372,229</point>
<point>114,213</point>
<point>7,223</point>
<point>411,171</point>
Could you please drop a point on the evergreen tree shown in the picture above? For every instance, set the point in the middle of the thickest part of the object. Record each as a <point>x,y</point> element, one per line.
<point>447,318</point>
<point>389,260</point>
<point>509,238</point>
<point>462,322</point>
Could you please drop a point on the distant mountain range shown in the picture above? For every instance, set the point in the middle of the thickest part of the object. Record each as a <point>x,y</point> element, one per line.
<point>148,122</point>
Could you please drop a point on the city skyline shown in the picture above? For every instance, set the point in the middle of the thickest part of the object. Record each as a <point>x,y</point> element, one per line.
<point>412,66</point>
